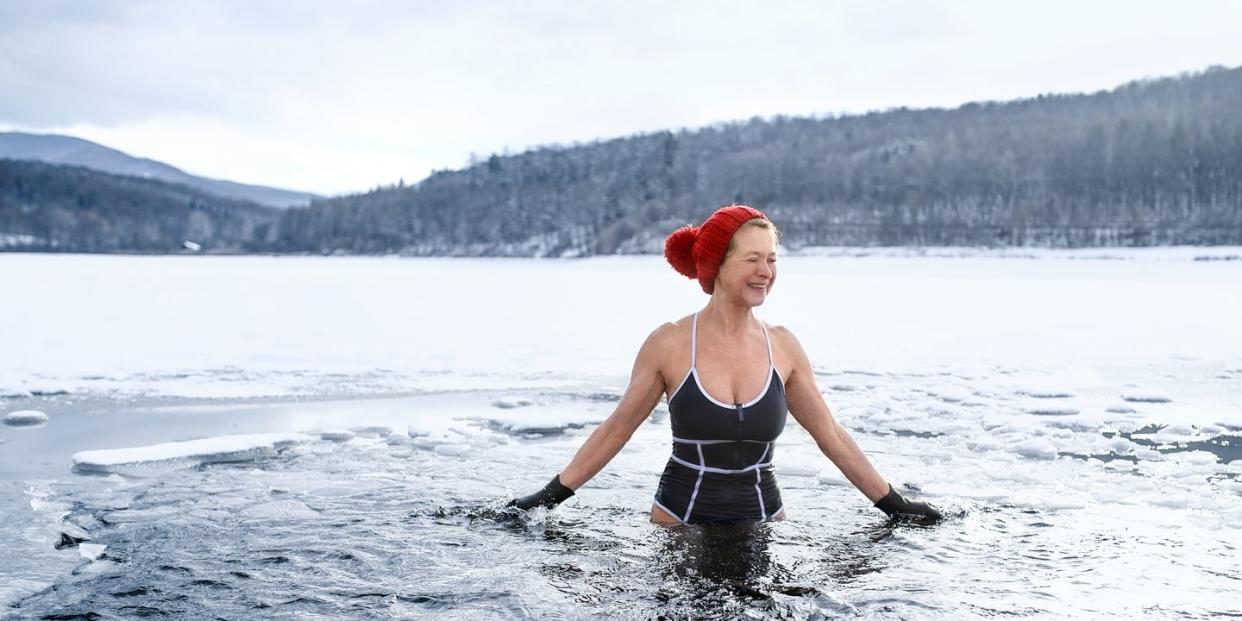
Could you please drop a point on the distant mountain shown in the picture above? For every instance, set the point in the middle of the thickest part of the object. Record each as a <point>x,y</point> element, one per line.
<point>56,149</point>
<point>1153,162</point>
<point>59,208</point>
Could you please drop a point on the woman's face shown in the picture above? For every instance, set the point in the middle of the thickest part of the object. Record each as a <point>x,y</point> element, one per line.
<point>749,270</point>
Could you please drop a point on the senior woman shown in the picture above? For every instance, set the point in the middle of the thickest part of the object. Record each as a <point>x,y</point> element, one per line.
<point>729,379</point>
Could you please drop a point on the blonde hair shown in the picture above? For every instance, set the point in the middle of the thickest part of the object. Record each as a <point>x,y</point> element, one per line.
<point>762,223</point>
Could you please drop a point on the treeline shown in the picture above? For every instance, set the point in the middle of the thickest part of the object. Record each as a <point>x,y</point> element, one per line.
<point>59,208</point>
<point>1154,162</point>
<point>1150,163</point>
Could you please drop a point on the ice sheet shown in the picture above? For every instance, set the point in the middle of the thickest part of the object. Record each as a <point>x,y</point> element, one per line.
<point>189,452</point>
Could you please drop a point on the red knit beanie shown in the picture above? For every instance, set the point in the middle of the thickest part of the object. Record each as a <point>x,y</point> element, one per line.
<point>697,252</point>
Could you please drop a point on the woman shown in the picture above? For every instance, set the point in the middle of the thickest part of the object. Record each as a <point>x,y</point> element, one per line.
<point>729,381</point>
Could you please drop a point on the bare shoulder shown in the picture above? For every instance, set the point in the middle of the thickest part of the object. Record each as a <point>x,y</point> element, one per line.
<point>791,358</point>
<point>666,337</point>
<point>784,340</point>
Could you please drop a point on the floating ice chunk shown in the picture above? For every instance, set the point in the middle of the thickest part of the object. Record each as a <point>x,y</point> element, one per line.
<point>1120,409</point>
<point>91,551</point>
<point>1122,446</point>
<point>1122,426</point>
<point>376,431</point>
<point>451,449</point>
<point>545,421</point>
<point>975,490</point>
<point>1172,434</point>
<point>154,514</point>
<point>336,435</point>
<point>982,445</point>
<point>1051,410</point>
<point>1211,429</point>
<point>1044,392</point>
<point>71,535</point>
<point>244,447</point>
<point>993,422</point>
<point>1036,449</point>
<point>509,403</point>
<point>397,439</point>
<point>40,505</point>
<point>1077,423</point>
<point>25,418</point>
<point>1171,502</point>
<point>1021,428</point>
<point>280,510</point>
<point>417,431</point>
<point>431,440</point>
<point>1196,457</point>
<point>951,393</point>
<point>1145,396</point>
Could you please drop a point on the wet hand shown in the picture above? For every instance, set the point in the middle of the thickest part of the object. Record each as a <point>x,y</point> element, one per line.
<point>552,494</point>
<point>895,505</point>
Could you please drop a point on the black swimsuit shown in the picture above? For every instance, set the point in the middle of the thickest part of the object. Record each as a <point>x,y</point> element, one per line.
<point>721,467</point>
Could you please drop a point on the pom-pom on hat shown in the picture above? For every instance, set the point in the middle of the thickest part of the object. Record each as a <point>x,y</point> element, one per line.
<point>698,251</point>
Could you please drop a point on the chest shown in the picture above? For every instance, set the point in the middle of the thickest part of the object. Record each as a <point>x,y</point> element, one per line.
<point>727,372</point>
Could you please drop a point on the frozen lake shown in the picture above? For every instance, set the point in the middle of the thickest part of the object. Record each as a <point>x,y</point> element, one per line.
<point>1078,414</point>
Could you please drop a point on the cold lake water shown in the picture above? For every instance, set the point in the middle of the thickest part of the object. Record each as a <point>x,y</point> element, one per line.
<point>306,437</point>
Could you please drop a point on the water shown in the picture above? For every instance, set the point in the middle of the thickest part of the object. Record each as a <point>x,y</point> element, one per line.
<point>1099,485</point>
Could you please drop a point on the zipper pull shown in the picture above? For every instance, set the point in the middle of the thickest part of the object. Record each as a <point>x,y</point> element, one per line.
<point>739,411</point>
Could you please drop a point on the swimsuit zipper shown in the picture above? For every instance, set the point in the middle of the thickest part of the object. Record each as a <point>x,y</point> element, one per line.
<point>737,456</point>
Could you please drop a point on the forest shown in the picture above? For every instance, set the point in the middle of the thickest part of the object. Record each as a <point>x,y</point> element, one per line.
<point>1152,162</point>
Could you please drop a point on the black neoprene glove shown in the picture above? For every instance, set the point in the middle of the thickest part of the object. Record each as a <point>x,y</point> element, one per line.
<point>895,504</point>
<point>551,495</point>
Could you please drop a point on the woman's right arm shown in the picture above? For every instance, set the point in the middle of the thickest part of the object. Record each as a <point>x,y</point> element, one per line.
<point>641,396</point>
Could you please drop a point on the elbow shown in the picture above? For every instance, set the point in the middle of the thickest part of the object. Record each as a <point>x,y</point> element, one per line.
<point>615,432</point>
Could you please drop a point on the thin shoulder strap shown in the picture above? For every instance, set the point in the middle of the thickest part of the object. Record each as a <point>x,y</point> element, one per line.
<point>694,337</point>
<point>769,340</point>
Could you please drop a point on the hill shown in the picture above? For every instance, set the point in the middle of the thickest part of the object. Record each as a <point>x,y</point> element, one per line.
<point>58,208</point>
<point>55,149</point>
<point>1152,162</point>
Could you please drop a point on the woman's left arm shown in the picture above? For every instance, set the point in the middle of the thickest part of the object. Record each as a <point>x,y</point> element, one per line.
<point>806,404</point>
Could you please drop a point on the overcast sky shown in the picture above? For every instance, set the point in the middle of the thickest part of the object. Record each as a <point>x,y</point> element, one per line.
<point>337,97</point>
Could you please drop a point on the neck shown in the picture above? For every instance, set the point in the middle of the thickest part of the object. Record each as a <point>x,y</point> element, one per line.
<point>727,317</point>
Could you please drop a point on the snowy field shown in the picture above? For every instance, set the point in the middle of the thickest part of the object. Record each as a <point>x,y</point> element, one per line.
<point>303,436</point>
